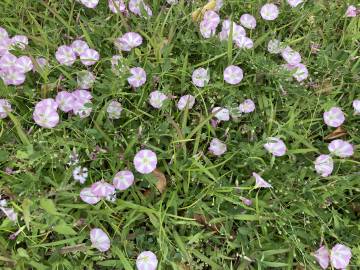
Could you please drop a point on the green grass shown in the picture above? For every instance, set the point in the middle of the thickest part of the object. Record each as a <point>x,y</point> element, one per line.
<point>199,222</point>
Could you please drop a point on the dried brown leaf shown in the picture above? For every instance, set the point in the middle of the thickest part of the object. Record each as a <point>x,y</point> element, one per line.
<point>161,183</point>
<point>337,133</point>
<point>201,219</point>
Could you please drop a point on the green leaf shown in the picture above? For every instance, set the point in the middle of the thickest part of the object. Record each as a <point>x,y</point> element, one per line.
<point>49,206</point>
<point>23,253</point>
<point>64,229</point>
<point>26,212</point>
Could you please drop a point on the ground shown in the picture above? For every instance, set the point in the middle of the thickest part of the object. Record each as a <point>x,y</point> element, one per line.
<point>199,220</point>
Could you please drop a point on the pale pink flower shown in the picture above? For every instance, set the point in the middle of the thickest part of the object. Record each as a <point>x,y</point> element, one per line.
<point>65,100</point>
<point>114,110</point>
<point>206,29</point>
<point>274,46</point>
<point>324,165</point>
<point>79,46</point>
<point>217,147</point>
<point>275,146</point>
<point>135,7</point>
<point>356,105</point>
<point>102,189</point>
<point>212,18</point>
<point>5,108</point>
<point>269,12</point>
<point>89,57</point>
<point>260,182</point>
<point>12,76</point>
<point>340,256</point>
<point>85,79</point>
<point>7,61</point>
<point>99,239</point>
<point>146,261</point>
<point>351,11</point>
<point>221,114</point>
<point>89,3</point>
<point>65,55</point>
<point>186,101</point>
<point>10,213</point>
<point>233,74</point>
<point>238,30</point>
<point>200,77</point>
<point>117,6</point>
<point>24,64</point>
<point>218,4</point>
<point>123,180</point>
<point>244,42</point>
<point>247,106</point>
<point>341,148</point>
<point>145,161</point>
<point>246,201</point>
<point>290,56</point>
<point>19,41</point>
<point>81,94</point>
<point>5,45</point>
<point>128,41</point>
<point>3,34</point>
<point>157,98</point>
<point>322,257</point>
<point>334,117</point>
<point>300,71</point>
<point>137,78</point>
<point>87,196</point>
<point>294,3</point>
<point>45,114</point>
<point>248,21</point>
<point>81,103</point>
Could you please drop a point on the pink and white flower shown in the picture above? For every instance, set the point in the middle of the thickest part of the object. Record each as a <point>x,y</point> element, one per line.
<point>322,257</point>
<point>300,71</point>
<point>114,110</point>
<point>269,12</point>
<point>128,41</point>
<point>65,55</point>
<point>334,117</point>
<point>238,30</point>
<point>45,114</point>
<point>324,165</point>
<point>79,46</point>
<point>65,100</point>
<point>274,46</point>
<point>290,56</point>
<point>341,148</point>
<point>135,7</point>
<point>137,78</point>
<point>275,146</point>
<point>233,74</point>
<point>248,21</point>
<point>212,17</point>
<point>340,256</point>
<point>200,77</point>
<point>260,182</point>
<point>123,180</point>
<point>356,106</point>
<point>19,41</point>
<point>90,3</point>
<point>102,189</point>
<point>244,42</point>
<point>81,104</point>
<point>12,76</point>
<point>89,57</point>
<point>294,3</point>
<point>247,106</point>
<point>8,61</point>
<point>146,261</point>
<point>221,114</point>
<point>87,196</point>
<point>217,147</point>
<point>5,45</point>
<point>145,161</point>
<point>5,108</point>
<point>99,239</point>
<point>157,98</point>
<point>351,11</point>
<point>206,29</point>
<point>186,101</point>
<point>85,79</point>
<point>24,64</point>
<point>3,34</point>
<point>9,213</point>
<point>117,6</point>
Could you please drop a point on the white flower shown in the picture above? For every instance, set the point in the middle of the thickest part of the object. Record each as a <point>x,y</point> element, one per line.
<point>80,174</point>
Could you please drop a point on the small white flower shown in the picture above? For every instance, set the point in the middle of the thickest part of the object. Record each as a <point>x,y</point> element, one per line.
<point>114,110</point>
<point>80,174</point>
<point>156,99</point>
<point>222,114</point>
